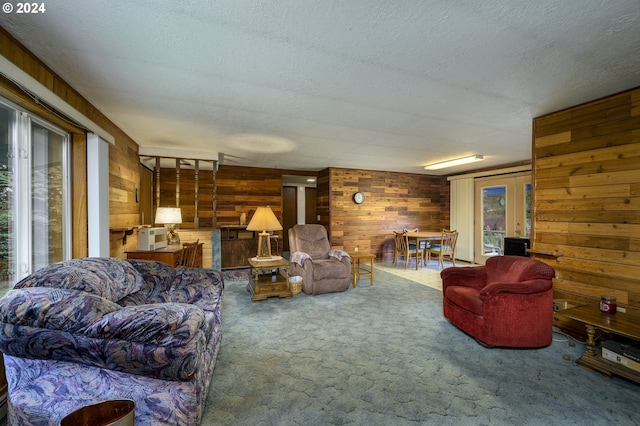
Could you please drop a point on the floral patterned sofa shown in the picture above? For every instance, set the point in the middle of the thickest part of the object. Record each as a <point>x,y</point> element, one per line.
<point>88,330</point>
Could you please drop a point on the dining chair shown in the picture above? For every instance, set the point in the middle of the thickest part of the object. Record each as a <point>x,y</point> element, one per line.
<point>446,248</point>
<point>404,248</point>
<point>189,250</point>
<point>423,244</point>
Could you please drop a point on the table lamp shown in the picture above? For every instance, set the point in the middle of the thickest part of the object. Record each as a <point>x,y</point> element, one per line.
<point>170,216</point>
<point>264,220</point>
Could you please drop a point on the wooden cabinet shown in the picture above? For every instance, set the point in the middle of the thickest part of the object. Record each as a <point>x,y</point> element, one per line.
<point>237,245</point>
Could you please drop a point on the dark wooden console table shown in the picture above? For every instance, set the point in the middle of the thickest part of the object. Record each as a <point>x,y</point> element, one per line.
<point>625,324</point>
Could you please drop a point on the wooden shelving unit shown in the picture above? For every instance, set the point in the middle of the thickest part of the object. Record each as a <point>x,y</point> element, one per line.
<point>596,362</point>
<point>625,324</point>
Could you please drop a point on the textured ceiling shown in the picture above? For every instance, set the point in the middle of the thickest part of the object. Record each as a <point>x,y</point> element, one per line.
<point>381,85</point>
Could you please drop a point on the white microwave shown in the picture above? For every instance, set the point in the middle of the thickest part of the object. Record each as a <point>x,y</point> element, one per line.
<point>152,238</point>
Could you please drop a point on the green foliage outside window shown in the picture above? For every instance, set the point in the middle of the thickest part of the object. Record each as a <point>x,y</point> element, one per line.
<point>5,234</point>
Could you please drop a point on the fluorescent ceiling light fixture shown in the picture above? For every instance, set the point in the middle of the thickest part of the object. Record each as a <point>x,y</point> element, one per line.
<point>456,162</point>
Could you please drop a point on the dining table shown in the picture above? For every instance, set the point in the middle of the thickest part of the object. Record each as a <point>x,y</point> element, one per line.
<point>423,236</point>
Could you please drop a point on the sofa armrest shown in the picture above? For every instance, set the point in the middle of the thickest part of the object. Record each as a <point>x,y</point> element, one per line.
<point>471,276</point>
<point>523,287</point>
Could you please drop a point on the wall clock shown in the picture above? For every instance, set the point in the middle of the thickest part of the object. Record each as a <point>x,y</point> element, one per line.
<point>358,197</point>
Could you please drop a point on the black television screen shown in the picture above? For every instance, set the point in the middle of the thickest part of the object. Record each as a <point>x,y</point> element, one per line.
<point>516,246</point>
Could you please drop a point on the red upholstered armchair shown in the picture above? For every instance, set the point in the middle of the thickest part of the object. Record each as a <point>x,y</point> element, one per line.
<point>507,302</point>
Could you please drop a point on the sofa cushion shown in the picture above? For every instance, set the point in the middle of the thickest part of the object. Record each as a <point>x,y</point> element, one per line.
<point>56,309</point>
<point>110,278</point>
<point>467,298</point>
<point>161,324</point>
<point>164,340</point>
<point>157,277</point>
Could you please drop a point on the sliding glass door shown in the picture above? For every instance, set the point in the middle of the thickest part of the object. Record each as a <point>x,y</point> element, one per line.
<point>503,209</point>
<point>34,195</point>
<point>7,228</point>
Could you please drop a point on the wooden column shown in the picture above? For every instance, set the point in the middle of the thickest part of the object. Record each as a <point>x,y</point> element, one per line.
<point>196,219</point>
<point>153,220</point>
<point>178,182</point>
<point>215,195</point>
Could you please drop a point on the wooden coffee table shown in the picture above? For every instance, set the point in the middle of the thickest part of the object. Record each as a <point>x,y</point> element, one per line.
<point>626,324</point>
<point>356,257</point>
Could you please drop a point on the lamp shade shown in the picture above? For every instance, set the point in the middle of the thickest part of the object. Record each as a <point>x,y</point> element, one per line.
<point>169,215</point>
<point>264,220</point>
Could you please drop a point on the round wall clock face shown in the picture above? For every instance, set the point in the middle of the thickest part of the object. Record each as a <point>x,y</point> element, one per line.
<point>358,197</point>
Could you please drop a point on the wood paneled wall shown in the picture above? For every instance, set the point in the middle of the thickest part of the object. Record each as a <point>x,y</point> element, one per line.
<point>587,198</point>
<point>393,201</point>
<point>187,201</point>
<point>124,179</point>
<point>123,155</point>
<point>243,189</point>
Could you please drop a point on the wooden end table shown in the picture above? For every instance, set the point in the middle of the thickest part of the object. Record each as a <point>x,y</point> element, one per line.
<point>264,282</point>
<point>626,324</point>
<point>356,258</point>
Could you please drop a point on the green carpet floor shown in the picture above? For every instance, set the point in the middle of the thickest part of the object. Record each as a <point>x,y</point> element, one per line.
<point>385,355</point>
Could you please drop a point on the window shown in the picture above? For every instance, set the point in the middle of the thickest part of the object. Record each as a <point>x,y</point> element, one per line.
<point>34,195</point>
<point>494,219</point>
<point>503,209</point>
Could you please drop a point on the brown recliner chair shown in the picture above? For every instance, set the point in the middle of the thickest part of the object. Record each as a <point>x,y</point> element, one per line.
<point>322,269</point>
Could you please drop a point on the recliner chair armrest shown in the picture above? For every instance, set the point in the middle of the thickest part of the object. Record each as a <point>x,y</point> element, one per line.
<point>341,256</point>
<point>306,272</point>
<point>346,260</point>
<point>472,276</point>
<point>523,287</point>
<point>299,257</point>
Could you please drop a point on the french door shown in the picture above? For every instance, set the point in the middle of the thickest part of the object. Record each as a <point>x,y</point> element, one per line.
<point>502,209</point>
<point>34,195</point>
